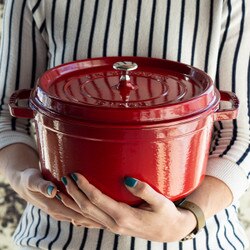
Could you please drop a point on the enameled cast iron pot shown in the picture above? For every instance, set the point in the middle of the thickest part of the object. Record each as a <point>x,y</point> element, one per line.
<point>109,118</point>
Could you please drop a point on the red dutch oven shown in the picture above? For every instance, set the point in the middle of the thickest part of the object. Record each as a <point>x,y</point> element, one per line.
<point>108,118</point>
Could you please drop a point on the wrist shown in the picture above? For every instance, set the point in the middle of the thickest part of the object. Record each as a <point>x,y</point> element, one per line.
<point>188,222</point>
<point>17,158</point>
<point>197,213</point>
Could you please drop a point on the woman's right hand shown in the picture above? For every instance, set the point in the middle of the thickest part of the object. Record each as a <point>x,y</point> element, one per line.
<point>42,194</point>
<point>19,165</point>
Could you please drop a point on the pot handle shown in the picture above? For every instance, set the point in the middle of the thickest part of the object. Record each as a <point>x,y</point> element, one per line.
<point>227,114</point>
<point>18,111</point>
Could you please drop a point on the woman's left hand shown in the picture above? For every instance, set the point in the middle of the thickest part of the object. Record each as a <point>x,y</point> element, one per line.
<point>158,219</point>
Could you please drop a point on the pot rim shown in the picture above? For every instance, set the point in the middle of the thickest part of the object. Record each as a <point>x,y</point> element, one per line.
<point>139,114</point>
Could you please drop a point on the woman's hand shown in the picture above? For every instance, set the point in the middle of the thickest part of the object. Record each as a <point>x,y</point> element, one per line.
<point>19,165</point>
<point>157,219</point>
<point>41,193</point>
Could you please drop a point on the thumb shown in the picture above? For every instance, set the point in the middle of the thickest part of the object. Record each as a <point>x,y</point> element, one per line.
<point>144,191</point>
<point>35,183</point>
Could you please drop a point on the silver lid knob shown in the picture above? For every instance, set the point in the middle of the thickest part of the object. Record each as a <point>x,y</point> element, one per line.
<point>125,66</point>
<point>125,86</point>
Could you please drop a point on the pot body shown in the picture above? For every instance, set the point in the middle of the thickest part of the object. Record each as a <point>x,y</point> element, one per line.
<point>171,158</point>
<point>154,123</point>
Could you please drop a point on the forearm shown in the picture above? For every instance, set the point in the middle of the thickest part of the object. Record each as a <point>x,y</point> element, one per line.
<point>211,196</point>
<point>15,154</point>
<point>17,157</point>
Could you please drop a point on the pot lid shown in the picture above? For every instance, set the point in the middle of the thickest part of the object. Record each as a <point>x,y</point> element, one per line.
<point>125,89</point>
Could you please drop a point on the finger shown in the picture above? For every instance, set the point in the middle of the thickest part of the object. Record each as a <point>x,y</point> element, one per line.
<point>69,203</point>
<point>145,192</point>
<point>34,182</point>
<point>49,206</point>
<point>87,208</point>
<point>58,211</point>
<point>114,209</point>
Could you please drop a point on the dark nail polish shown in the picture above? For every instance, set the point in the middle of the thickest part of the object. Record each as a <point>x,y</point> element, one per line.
<point>58,197</point>
<point>64,180</point>
<point>50,190</point>
<point>74,177</point>
<point>130,182</point>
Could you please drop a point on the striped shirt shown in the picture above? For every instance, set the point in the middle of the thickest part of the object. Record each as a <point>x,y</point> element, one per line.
<point>212,35</point>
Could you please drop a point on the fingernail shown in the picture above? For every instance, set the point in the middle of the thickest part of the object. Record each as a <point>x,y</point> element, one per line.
<point>74,177</point>
<point>130,182</point>
<point>64,180</point>
<point>50,190</point>
<point>58,197</point>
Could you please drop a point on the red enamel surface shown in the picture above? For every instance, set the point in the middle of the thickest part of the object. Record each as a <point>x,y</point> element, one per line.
<point>87,90</point>
<point>156,128</point>
<point>172,159</point>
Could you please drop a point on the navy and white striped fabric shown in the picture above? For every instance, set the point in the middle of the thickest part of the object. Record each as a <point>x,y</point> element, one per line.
<point>212,35</point>
<point>38,230</point>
